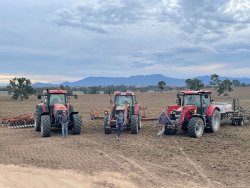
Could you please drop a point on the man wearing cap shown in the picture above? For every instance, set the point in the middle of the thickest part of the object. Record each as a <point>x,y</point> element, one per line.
<point>64,120</point>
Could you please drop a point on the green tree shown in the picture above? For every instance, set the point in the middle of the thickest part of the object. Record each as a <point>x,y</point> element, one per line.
<point>20,88</point>
<point>236,83</point>
<point>67,88</point>
<point>228,86</point>
<point>214,81</point>
<point>225,87</point>
<point>162,85</point>
<point>194,84</point>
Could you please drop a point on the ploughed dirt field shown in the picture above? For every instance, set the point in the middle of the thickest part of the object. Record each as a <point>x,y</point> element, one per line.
<point>93,159</point>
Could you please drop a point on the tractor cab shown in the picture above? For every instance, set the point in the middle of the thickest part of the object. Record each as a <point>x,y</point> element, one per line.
<point>123,101</point>
<point>199,99</point>
<point>122,98</point>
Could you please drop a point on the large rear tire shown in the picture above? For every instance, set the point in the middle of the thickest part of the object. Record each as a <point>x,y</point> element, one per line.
<point>134,124</point>
<point>77,124</point>
<point>37,122</point>
<point>106,128</point>
<point>215,122</point>
<point>195,127</point>
<point>45,126</point>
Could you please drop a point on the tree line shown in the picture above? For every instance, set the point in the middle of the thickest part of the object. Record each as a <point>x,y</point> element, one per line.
<point>21,88</point>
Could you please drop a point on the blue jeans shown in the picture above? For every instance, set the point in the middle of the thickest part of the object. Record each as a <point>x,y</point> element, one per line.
<point>119,129</point>
<point>64,129</point>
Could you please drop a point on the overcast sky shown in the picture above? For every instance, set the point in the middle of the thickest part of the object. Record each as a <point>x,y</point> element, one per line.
<point>63,40</point>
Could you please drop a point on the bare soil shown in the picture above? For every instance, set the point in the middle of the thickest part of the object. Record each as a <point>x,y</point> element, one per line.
<point>93,159</point>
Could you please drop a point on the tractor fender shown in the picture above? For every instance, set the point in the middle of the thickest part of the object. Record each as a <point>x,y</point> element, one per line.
<point>44,113</point>
<point>69,108</point>
<point>137,108</point>
<point>186,112</point>
<point>72,113</point>
<point>41,108</point>
<point>200,116</point>
<point>211,109</point>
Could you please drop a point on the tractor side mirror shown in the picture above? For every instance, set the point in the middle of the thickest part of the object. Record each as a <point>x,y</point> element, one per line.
<point>39,96</point>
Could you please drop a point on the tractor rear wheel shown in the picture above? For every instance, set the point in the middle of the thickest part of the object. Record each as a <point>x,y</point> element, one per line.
<point>107,129</point>
<point>195,127</point>
<point>215,122</point>
<point>77,124</point>
<point>45,126</point>
<point>37,122</point>
<point>134,124</point>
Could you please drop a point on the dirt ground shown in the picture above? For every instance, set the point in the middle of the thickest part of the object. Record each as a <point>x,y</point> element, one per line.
<point>93,159</point>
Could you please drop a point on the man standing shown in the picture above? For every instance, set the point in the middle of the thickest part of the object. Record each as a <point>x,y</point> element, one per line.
<point>119,124</point>
<point>64,120</point>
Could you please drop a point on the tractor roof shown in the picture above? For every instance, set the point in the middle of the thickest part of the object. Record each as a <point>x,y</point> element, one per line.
<point>127,93</point>
<point>189,92</point>
<point>57,91</point>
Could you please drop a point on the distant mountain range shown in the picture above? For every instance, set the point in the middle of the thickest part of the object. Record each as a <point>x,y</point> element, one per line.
<point>140,80</point>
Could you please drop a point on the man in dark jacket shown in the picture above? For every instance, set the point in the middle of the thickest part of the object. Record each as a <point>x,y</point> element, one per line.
<point>119,124</point>
<point>64,120</point>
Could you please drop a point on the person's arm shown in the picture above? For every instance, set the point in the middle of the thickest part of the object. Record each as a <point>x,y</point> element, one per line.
<point>168,119</point>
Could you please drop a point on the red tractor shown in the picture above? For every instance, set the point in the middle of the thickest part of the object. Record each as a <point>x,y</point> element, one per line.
<point>50,109</point>
<point>194,113</point>
<point>126,103</point>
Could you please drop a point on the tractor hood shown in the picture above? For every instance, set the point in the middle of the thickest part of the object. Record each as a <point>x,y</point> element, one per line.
<point>59,108</point>
<point>186,108</point>
<point>119,108</point>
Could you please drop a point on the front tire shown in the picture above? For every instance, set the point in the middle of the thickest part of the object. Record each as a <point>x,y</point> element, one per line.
<point>195,127</point>
<point>134,124</point>
<point>170,130</point>
<point>77,124</point>
<point>215,122</point>
<point>45,126</point>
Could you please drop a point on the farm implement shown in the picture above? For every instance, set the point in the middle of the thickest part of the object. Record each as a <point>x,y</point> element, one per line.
<point>195,112</point>
<point>20,121</point>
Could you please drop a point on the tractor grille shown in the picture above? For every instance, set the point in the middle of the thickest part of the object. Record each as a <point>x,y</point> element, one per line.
<point>177,116</point>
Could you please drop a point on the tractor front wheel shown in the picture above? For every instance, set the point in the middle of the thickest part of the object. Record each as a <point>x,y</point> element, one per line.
<point>195,127</point>
<point>134,124</point>
<point>215,122</point>
<point>77,124</point>
<point>170,130</point>
<point>45,126</point>
<point>107,129</point>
